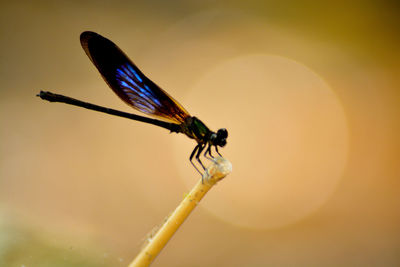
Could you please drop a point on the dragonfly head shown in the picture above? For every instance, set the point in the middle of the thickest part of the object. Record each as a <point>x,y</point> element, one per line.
<point>219,138</point>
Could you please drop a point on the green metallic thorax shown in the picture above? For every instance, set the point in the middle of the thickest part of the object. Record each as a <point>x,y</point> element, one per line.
<point>196,129</point>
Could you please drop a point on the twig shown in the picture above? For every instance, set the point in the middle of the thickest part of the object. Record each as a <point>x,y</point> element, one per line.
<point>217,171</point>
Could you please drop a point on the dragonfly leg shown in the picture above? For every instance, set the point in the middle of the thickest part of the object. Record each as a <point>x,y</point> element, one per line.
<point>201,148</point>
<point>208,150</point>
<point>191,157</point>
<point>216,149</point>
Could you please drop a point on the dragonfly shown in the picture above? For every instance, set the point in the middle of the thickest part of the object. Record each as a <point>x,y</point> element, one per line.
<point>142,94</point>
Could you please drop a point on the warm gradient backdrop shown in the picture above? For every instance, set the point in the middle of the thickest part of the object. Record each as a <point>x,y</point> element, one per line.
<point>309,92</point>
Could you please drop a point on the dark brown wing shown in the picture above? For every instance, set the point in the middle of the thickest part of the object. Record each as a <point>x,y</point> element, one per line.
<point>128,82</point>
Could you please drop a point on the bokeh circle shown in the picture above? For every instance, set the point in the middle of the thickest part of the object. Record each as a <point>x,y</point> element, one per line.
<point>288,139</point>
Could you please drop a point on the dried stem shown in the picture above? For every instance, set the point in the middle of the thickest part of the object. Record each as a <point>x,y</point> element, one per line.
<point>217,171</point>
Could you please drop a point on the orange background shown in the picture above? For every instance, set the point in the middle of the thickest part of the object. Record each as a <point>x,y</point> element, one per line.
<point>309,93</point>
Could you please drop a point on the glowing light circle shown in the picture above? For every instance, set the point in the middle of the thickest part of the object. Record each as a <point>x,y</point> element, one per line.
<point>288,139</point>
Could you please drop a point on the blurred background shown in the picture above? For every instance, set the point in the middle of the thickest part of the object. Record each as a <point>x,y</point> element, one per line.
<point>309,92</point>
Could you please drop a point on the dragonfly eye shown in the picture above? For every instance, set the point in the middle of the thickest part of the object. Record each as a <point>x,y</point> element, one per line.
<point>222,142</point>
<point>222,134</point>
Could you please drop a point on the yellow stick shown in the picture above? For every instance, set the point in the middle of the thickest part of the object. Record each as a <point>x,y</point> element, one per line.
<point>217,171</point>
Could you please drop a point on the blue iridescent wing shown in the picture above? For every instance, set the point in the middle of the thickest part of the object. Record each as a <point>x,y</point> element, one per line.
<point>128,82</point>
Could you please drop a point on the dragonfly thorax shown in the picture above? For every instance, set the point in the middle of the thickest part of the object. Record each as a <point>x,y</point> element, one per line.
<point>196,129</point>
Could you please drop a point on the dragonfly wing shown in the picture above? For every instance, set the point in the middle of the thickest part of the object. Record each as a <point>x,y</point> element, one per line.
<point>128,82</point>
